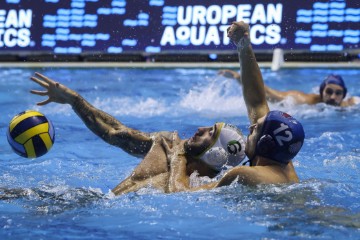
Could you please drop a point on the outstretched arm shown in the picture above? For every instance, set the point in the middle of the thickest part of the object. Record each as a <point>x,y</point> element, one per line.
<point>102,124</point>
<point>253,85</point>
<point>272,95</point>
<point>230,74</point>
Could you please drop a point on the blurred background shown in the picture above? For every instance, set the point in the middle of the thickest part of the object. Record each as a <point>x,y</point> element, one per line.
<point>171,31</point>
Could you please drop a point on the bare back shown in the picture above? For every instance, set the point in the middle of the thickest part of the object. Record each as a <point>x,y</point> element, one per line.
<point>153,170</point>
<point>261,174</point>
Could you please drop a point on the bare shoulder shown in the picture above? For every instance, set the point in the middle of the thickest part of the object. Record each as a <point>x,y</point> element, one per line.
<point>270,174</point>
<point>350,101</point>
<point>162,134</point>
<point>306,98</point>
<point>242,174</point>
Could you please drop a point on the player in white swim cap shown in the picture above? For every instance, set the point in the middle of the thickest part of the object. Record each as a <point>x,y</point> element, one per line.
<point>226,146</point>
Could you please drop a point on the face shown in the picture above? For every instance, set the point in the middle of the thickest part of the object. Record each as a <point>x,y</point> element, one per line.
<point>201,140</point>
<point>253,137</point>
<point>333,94</point>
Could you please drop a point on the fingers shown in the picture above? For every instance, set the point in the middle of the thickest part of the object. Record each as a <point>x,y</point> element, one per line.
<point>44,82</point>
<point>165,145</point>
<point>44,102</point>
<point>44,78</point>
<point>175,136</point>
<point>40,82</point>
<point>40,93</point>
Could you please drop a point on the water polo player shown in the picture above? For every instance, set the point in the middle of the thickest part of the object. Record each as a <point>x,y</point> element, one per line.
<point>201,151</point>
<point>275,137</point>
<point>226,148</point>
<point>332,91</point>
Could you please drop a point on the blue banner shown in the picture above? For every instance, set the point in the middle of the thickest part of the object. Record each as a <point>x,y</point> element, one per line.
<point>160,26</point>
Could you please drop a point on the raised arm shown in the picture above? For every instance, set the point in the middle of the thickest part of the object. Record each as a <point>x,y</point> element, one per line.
<point>102,124</point>
<point>253,85</point>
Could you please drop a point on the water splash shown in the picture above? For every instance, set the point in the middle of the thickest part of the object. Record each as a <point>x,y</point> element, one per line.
<point>218,97</point>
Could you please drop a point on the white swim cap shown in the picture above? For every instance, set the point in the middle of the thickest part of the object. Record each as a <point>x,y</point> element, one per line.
<point>227,149</point>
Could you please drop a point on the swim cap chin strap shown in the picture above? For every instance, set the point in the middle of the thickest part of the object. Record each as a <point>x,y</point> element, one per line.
<point>281,138</point>
<point>227,149</point>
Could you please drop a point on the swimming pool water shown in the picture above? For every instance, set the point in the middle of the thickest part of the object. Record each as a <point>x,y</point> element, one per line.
<point>66,193</point>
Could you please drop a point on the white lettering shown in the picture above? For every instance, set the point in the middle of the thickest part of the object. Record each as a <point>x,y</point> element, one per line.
<point>201,35</point>
<point>228,12</point>
<point>199,13</point>
<point>14,26</point>
<point>25,18</point>
<point>18,20</point>
<point>1,33</point>
<point>223,29</point>
<point>182,17</point>
<point>243,13</point>
<point>273,34</point>
<point>168,37</point>
<point>10,37</point>
<point>212,36</point>
<point>257,34</point>
<point>258,14</point>
<point>12,19</point>
<point>23,37</point>
<point>213,15</point>
<point>205,25</point>
<point>274,14</point>
<point>183,33</point>
<point>260,34</point>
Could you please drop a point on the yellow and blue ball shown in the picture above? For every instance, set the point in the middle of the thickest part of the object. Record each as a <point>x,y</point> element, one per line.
<point>31,134</point>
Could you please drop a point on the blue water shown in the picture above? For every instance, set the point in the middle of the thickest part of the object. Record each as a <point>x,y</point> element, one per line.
<point>66,193</point>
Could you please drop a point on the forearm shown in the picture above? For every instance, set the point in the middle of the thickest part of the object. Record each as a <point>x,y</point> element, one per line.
<point>102,124</point>
<point>253,85</point>
<point>110,129</point>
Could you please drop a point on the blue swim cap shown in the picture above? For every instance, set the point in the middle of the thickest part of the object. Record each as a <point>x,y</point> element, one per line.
<point>281,138</point>
<point>333,79</point>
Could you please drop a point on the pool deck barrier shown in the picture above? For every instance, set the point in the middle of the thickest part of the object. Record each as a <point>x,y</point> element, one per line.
<point>355,64</point>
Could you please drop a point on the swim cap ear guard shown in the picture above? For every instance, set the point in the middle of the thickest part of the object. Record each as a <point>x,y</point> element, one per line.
<point>333,79</point>
<point>281,138</point>
<point>227,149</point>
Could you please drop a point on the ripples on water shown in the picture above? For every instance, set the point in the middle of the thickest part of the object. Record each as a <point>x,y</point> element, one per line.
<point>65,194</point>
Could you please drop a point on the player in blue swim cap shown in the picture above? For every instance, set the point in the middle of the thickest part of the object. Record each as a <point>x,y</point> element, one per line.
<point>275,137</point>
<point>281,137</point>
<point>332,91</point>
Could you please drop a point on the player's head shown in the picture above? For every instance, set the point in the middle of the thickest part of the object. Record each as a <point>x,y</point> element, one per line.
<point>277,136</point>
<point>217,146</point>
<point>333,90</point>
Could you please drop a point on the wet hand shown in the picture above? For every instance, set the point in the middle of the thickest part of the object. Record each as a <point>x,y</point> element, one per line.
<point>55,91</point>
<point>176,147</point>
<point>229,73</point>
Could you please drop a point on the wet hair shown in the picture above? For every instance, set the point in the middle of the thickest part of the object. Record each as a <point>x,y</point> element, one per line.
<point>333,79</point>
<point>281,138</point>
